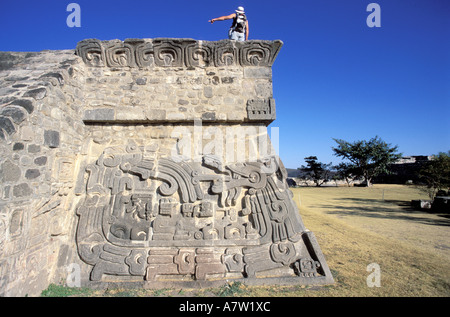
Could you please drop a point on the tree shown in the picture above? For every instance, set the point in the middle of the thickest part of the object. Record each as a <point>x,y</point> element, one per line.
<point>436,174</point>
<point>367,158</point>
<point>344,172</point>
<point>318,172</point>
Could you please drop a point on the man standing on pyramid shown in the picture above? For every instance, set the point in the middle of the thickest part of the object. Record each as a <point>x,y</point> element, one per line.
<point>239,29</point>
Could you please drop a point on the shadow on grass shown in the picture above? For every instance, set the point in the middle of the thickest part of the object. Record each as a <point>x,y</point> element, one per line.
<point>388,209</point>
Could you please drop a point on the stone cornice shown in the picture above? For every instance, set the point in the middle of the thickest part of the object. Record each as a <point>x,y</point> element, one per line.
<point>171,52</point>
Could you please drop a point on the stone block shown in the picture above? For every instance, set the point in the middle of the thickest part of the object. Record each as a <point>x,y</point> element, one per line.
<point>7,125</point>
<point>51,138</point>
<point>24,103</point>
<point>15,113</point>
<point>9,172</point>
<point>258,72</point>
<point>208,92</point>
<point>104,114</point>
<point>18,146</point>
<point>38,93</point>
<point>34,148</point>
<point>261,109</point>
<point>209,116</point>
<point>141,81</point>
<point>40,161</point>
<point>27,133</point>
<point>32,173</point>
<point>156,115</point>
<point>22,190</point>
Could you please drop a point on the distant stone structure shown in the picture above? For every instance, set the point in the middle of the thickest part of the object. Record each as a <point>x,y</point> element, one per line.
<point>146,162</point>
<point>405,171</point>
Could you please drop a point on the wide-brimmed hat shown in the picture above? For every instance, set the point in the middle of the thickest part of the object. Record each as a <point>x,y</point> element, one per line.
<point>240,10</point>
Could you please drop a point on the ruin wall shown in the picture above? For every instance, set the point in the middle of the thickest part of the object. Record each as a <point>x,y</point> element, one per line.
<point>147,162</point>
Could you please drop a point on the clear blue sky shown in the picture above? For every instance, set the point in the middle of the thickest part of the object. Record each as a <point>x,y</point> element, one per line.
<point>334,78</point>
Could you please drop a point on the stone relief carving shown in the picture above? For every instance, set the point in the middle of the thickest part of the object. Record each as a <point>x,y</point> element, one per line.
<point>261,109</point>
<point>166,52</point>
<point>149,216</point>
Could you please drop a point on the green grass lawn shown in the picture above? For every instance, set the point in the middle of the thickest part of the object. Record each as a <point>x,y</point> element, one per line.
<point>355,227</point>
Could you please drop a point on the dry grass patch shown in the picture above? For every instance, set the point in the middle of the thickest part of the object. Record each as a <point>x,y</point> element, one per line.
<point>356,227</point>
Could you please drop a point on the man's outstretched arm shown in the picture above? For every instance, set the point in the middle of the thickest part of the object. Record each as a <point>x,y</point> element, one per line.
<point>223,18</point>
<point>247,31</point>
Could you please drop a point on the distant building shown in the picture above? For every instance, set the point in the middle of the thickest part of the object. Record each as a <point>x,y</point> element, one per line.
<point>405,170</point>
<point>414,159</point>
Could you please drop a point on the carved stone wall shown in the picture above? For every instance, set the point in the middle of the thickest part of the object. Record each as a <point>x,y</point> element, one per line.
<point>147,161</point>
<point>41,138</point>
<point>173,80</point>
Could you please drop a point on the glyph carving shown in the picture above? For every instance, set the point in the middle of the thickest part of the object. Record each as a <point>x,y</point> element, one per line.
<point>167,52</point>
<point>148,215</point>
<point>152,218</point>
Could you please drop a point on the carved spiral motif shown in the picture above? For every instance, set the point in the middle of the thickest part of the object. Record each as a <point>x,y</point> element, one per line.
<point>110,160</point>
<point>283,252</point>
<point>199,55</point>
<point>177,53</point>
<point>255,55</point>
<point>198,235</point>
<point>145,55</point>
<point>169,187</point>
<point>254,177</point>
<point>279,211</point>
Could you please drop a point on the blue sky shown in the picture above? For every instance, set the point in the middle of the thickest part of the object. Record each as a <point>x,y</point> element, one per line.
<point>335,77</point>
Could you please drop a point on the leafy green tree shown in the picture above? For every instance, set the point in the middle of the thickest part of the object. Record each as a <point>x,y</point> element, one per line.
<point>436,174</point>
<point>344,172</point>
<point>318,172</point>
<point>367,158</point>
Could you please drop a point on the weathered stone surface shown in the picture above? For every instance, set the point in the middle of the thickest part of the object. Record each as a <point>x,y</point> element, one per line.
<point>22,190</point>
<point>99,115</point>
<point>15,113</point>
<point>7,125</point>
<point>141,81</point>
<point>157,151</point>
<point>208,92</point>
<point>58,76</point>
<point>18,146</point>
<point>24,103</point>
<point>258,72</point>
<point>209,116</point>
<point>8,60</point>
<point>166,52</point>
<point>9,172</point>
<point>34,148</point>
<point>32,173</point>
<point>38,93</point>
<point>51,138</point>
<point>40,161</point>
<point>261,109</point>
<point>258,223</point>
<point>202,77</point>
